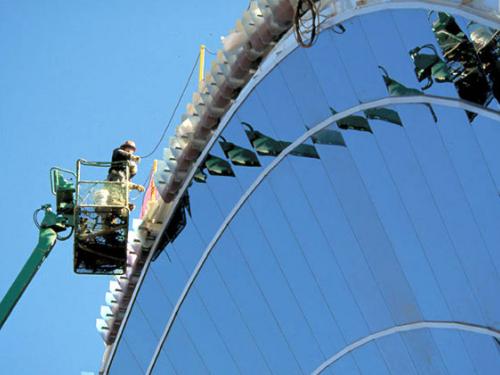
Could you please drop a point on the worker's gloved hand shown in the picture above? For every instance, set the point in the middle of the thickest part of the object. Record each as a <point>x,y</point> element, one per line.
<point>136,158</point>
<point>137,187</point>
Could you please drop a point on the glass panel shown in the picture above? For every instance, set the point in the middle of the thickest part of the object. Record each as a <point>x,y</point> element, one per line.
<point>357,62</point>
<point>394,303</point>
<point>125,361</point>
<point>330,72</point>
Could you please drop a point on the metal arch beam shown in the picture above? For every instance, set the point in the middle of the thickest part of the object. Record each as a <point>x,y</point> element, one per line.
<point>486,16</point>
<point>459,326</point>
<point>286,46</point>
<point>420,99</point>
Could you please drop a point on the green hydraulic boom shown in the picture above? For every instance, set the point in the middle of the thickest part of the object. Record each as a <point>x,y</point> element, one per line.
<point>49,227</point>
<point>95,212</point>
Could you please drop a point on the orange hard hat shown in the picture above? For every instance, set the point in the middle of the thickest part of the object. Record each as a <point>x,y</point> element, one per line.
<point>129,144</point>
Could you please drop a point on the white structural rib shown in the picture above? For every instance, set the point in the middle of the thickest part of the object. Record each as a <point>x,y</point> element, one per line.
<point>459,326</point>
<point>483,12</point>
<point>420,99</point>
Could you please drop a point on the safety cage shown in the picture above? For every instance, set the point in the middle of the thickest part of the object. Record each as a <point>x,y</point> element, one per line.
<point>98,210</point>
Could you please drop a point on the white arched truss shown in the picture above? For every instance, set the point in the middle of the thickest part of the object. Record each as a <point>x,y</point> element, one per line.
<point>457,326</point>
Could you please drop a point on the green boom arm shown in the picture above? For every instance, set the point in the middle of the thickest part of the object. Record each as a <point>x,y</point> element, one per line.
<point>51,224</point>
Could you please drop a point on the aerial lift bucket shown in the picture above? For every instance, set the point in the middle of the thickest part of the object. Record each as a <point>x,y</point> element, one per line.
<point>101,222</point>
<point>95,211</point>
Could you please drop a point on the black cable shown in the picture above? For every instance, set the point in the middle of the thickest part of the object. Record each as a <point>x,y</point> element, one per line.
<point>35,217</point>
<point>210,52</point>
<point>175,110</point>
<point>38,225</point>
<point>302,7</point>
<point>64,238</point>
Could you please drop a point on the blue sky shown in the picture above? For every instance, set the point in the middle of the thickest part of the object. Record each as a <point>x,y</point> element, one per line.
<point>77,78</point>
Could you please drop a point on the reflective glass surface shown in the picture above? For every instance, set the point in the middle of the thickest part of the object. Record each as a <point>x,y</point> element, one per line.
<point>388,216</point>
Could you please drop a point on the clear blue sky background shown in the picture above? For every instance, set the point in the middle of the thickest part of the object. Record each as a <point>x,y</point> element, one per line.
<point>76,79</point>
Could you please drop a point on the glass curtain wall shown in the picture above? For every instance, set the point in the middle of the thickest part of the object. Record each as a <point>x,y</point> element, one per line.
<point>384,217</point>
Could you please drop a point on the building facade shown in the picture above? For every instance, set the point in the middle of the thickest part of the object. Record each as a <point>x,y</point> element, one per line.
<point>342,212</point>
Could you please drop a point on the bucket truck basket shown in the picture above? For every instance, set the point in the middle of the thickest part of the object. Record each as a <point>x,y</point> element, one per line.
<point>101,220</point>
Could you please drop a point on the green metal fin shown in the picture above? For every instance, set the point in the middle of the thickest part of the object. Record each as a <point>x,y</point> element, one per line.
<point>448,33</point>
<point>395,88</point>
<point>353,122</point>
<point>239,155</point>
<point>384,114</point>
<point>267,146</point>
<point>305,150</point>
<point>263,144</point>
<point>200,176</point>
<point>430,66</point>
<point>218,167</point>
<point>328,137</point>
<point>441,73</point>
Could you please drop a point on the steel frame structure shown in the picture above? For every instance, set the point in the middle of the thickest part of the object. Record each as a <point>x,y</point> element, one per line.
<point>488,16</point>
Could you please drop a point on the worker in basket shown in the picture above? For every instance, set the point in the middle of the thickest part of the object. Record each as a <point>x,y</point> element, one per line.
<point>122,158</point>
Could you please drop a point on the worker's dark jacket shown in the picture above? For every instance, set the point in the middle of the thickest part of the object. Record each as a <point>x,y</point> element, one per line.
<point>120,160</point>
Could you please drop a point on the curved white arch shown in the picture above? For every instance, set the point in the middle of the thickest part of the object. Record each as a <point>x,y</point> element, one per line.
<point>420,99</point>
<point>488,16</point>
<point>459,326</point>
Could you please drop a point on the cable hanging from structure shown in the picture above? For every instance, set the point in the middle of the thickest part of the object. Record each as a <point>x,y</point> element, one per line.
<point>210,52</point>
<point>174,111</point>
<point>311,32</point>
